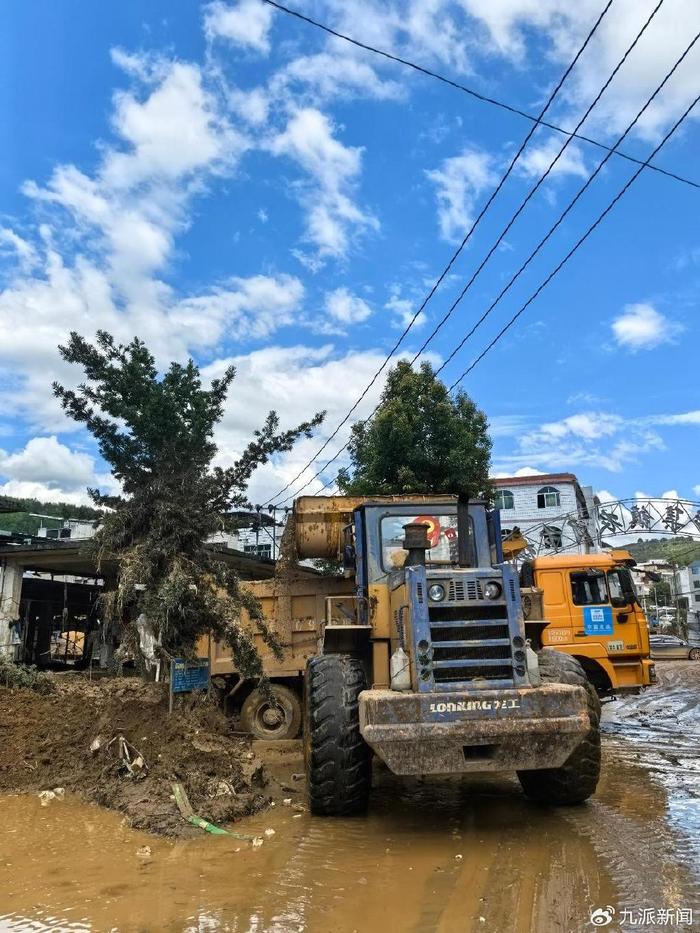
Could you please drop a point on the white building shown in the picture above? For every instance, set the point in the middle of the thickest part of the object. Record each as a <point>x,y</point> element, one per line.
<point>72,529</point>
<point>686,586</point>
<point>552,510</point>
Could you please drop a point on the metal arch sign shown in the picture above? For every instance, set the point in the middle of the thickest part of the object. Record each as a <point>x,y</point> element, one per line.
<point>612,519</point>
<point>648,516</point>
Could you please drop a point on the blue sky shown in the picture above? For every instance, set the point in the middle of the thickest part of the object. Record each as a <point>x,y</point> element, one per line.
<point>229,183</point>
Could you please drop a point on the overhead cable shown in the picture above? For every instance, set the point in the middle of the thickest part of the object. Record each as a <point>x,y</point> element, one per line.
<point>453,258</point>
<point>477,95</point>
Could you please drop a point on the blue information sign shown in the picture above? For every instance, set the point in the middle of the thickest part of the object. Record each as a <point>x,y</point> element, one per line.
<point>189,675</point>
<point>597,620</point>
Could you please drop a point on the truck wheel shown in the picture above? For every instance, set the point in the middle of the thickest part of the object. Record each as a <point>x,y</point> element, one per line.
<point>694,654</point>
<point>264,720</point>
<point>338,761</point>
<point>577,778</point>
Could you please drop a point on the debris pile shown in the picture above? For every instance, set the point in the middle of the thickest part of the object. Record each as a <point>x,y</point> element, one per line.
<point>113,742</point>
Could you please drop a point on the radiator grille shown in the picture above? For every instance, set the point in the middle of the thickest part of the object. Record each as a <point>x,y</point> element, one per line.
<point>483,645</point>
<point>461,590</point>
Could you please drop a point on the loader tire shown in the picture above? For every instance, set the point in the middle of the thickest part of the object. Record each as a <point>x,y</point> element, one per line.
<point>338,761</point>
<point>577,779</point>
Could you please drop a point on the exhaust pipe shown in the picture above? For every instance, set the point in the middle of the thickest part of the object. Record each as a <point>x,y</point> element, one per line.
<point>463,530</point>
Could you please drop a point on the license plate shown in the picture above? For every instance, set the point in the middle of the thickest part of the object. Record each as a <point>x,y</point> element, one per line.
<point>616,646</point>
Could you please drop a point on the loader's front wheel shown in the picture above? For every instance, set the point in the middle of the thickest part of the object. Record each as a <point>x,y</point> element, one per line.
<point>338,762</point>
<point>577,779</point>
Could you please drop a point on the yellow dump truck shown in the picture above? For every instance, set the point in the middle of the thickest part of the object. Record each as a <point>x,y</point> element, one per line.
<point>593,614</point>
<point>419,653</point>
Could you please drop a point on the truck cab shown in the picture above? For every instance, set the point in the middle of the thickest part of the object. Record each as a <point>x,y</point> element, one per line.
<point>590,603</point>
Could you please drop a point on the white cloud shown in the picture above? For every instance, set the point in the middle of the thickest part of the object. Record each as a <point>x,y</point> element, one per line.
<point>537,158</point>
<point>523,471</point>
<point>25,251</point>
<point>253,307</point>
<point>334,74</point>
<point>564,24</point>
<point>403,310</point>
<point>45,460</point>
<point>296,382</point>
<point>459,181</point>
<point>332,215</point>
<point>642,327</point>
<point>594,439</point>
<point>253,106</point>
<point>245,23</point>
<point>346,308</point>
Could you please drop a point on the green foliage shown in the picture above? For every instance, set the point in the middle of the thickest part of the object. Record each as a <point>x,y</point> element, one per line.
<point>421,440</point>
<point>156,433</point>
<point>660,592</point>
<point>21,521</point>
<point>680,551</point>
<point>21,675</point>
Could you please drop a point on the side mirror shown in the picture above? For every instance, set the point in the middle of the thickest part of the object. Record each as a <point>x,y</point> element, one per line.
<point>621,617</point>
<point>349,557</point>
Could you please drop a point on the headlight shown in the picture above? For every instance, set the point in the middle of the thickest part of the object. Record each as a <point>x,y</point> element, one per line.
<point>436,592</point>
<point>493,590</point>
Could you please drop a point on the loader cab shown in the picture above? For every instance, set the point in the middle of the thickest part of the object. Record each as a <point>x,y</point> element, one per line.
<point>458,625</point>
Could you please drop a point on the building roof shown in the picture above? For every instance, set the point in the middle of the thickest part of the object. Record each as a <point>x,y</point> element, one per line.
<point>64,557</point>
<point>539,479</point>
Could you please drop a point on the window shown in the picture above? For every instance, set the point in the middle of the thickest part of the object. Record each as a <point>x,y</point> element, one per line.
<point>588,588</point>
<point>548,497</point>
<point>261,550</point>
<point>504,499</point>
<point>697,599</point>
<point>696,570</point>
<point>442,537</point>
<point>551,537</point>
<point>696,584</point>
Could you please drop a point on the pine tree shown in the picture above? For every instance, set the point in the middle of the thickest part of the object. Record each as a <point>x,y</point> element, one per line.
<point>156,434</point>
<point>421,440</point>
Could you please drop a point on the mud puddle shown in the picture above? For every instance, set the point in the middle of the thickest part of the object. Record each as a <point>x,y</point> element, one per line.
<point>468,855</point>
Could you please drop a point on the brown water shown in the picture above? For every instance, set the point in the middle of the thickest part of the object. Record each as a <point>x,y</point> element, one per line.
<point>452,856</point>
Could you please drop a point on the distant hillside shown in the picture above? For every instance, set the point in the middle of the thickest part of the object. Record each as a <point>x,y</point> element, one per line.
<point>20,520</point>
<point>681,551</point>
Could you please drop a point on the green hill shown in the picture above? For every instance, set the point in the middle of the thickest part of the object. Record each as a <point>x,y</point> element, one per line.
<point>680,551</point>
<point>15,514</point>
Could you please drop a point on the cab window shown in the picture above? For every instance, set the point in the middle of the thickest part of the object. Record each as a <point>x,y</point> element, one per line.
<point>588,588</point>
<point>621,586</point>
<point>442,538</point>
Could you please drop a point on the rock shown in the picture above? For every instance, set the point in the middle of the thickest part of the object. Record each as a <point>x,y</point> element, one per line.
<point>269,832</point>
<point>257,842</point>
<point>60,792</point>
<point>143,852</point>
<point>287,802</point>
<point>46,796</point>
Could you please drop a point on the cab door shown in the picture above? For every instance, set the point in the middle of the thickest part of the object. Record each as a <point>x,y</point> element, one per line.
<point>591,612</point>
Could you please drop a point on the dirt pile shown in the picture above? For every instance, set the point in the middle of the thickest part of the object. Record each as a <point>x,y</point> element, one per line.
<point>46,743</point>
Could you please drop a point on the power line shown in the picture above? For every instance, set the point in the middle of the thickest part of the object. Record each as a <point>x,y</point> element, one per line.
<point>548,279</point>
<point>508,226</point>
<point>483,98</point>
<point>568,208</point>
<point>455,255</point>
<point>532,193</point>
<point>575,247</point>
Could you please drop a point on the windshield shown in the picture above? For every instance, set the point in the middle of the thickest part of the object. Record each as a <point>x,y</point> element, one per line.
<point>442,536</point>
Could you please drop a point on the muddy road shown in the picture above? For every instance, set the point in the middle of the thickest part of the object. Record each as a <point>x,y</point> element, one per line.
<point>468,855</point>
